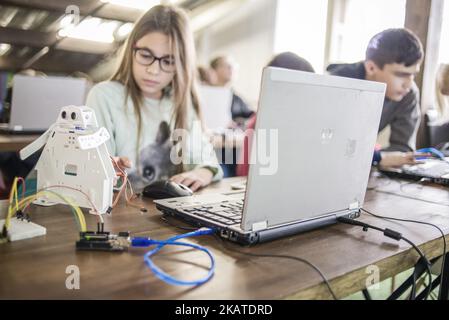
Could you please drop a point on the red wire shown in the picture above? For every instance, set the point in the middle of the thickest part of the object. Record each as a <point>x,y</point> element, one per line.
<point>23,186</point>
<point>124,176</point>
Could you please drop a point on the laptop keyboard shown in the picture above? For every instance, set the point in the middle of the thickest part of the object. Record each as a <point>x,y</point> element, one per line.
<point>433,170</point>
<point>228,213</point>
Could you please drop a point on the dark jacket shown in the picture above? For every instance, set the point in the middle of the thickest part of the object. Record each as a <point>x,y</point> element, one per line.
<point>239,108</point>
<point>403,116</point>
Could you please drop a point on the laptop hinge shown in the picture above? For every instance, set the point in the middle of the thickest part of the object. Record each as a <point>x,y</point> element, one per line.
<point>354,205</point>
<point>261,225</point>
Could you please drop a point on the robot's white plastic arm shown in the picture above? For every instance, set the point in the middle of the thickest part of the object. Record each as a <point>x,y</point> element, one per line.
<point>36,144</point>
<point>94,140</point>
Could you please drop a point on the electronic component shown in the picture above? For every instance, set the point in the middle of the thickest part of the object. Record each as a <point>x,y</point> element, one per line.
<point>103,241</point>
<point>20,229</point>
<point>75,156</point>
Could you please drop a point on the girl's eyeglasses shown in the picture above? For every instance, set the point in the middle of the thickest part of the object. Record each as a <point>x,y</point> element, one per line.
<point>145,57</point>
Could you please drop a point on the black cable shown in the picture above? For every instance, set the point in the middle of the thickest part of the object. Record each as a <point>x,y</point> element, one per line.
<point>413,291</point>
<point>413,221</point>
<point>387,232</point>
<point>393,235</point>
<point>427,264</point>
<point>310,264</point>
<point>423,223</point>
<point>262,255</point>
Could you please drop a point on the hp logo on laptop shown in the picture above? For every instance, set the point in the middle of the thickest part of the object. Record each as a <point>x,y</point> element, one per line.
<point>327,135</point>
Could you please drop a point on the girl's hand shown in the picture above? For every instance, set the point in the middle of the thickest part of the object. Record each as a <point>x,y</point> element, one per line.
<point>194,179</point>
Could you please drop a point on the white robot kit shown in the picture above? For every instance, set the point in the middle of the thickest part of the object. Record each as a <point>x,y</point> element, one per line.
<point>75,158</point>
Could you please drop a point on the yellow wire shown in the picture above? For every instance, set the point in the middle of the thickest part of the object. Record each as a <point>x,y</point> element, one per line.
<point>16,195</point>
<point>77,209</point>
<point>27,201</point>
<point>14,199</point>
<point>12,193</point>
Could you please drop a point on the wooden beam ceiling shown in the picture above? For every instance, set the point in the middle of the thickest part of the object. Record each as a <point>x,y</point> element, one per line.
<point>37,39</point>
<point>41,39</point>
<point>57,61</point>
<point>22,37</point>
<point>108,11</point>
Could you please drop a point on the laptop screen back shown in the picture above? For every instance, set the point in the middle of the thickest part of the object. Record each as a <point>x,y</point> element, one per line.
<point>36,101</point>
<point>315,136</point>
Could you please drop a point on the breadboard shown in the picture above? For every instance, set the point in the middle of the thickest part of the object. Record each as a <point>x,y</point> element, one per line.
<point>22,229</point>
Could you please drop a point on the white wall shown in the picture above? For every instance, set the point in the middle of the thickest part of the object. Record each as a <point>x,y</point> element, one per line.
<point>248,36</point>
<point>301,28</point>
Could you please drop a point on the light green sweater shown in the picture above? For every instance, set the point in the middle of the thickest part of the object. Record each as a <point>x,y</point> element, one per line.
<point>157,156</point>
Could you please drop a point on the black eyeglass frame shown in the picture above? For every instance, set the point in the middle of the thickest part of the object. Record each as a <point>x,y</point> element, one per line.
<point>159,59</point>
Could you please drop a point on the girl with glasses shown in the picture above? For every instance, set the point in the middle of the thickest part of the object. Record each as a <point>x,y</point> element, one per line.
<point>151,96</point>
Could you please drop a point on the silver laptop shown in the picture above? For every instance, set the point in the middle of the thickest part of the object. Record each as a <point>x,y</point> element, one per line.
<point>326,132</point>
<point>216,107</point>
<point>36,101</point>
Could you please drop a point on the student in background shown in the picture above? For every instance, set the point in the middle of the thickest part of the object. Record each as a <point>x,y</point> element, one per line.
<point>289,60</point>
<point>292,61</point>
<point>153,92</point>
<point>224,71</point>
<point>393,57</point>
<point>207,76</point>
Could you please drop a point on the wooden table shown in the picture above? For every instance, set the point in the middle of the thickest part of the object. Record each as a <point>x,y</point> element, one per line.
<point>10,142</point>
<point>35,268</point>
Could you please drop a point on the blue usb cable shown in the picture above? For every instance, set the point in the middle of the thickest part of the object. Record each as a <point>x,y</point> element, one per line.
<point>146,242</point>
<point>435,152</point>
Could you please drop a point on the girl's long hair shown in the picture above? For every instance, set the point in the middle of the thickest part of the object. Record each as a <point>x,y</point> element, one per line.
<point>172,22</point>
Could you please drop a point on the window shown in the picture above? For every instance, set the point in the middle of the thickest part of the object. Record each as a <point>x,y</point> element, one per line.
<point>357,21</point>
<point>444,42</point>
<point>301,28</point>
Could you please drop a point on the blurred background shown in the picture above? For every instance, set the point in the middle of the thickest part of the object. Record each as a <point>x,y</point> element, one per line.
<point>82,38</point>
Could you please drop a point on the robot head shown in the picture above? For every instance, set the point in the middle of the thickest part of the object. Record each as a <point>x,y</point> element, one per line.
<point>77,117</point>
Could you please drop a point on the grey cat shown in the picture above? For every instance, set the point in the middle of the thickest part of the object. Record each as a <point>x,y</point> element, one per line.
<point>154,161</point>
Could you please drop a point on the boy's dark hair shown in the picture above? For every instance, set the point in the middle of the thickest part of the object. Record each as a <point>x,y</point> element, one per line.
<point>400,46</point>
<point>289,60</point>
